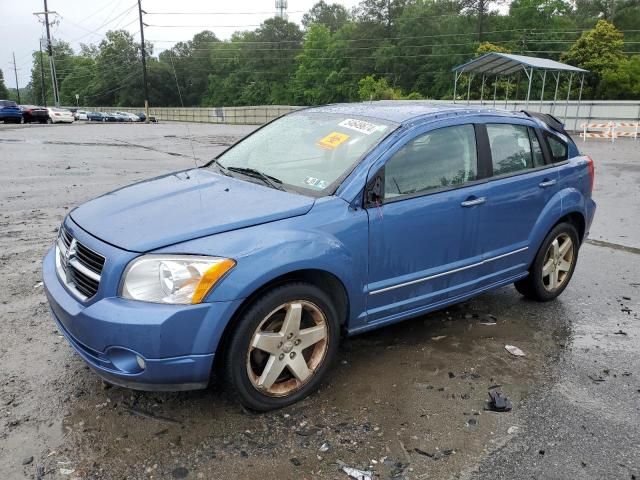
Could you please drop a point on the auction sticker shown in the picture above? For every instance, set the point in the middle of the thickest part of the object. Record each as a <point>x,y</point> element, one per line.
<point>361,126</point>
<point>333,140</point>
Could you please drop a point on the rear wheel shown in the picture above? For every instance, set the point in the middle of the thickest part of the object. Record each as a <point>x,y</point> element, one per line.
<point>282,346</point>
<point>49,121</point>
<point>553,266</point>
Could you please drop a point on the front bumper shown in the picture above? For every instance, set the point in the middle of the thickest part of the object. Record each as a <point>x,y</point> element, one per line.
<point>139,345</point>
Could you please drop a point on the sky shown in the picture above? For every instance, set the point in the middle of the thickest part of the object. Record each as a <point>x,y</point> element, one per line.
<point>84,21</point>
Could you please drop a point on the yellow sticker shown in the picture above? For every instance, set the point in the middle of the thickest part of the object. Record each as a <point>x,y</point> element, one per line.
<point>332,140</point>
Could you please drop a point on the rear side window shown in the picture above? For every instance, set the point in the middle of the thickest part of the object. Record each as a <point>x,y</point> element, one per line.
<point>510,148</point>
<point>442,158</point>
<point>557,147</point>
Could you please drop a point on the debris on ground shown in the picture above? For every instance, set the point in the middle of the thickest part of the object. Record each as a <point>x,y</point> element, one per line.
<point>439,337</point>
<point>355,473</point>
<point>513,350</point>
<point>513,429</point>
<point>595,379</point>
<point>498,402</point>
<point>620,332</point>
<point>489,319</point>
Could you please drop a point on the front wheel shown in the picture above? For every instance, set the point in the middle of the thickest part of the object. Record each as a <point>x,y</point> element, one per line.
<point>282,346</point>
<point>553,266</point>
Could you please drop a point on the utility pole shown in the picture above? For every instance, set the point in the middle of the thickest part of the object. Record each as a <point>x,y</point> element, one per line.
<point>281,7</point>
<point>52,65</point>
<point>15,71</point>
<point>144,64</point>
<point>42,84</point>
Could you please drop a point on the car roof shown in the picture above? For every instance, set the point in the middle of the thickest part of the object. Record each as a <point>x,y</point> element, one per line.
<point>404,111</point>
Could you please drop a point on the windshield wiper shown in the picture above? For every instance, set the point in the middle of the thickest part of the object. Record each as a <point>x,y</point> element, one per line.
<point>224,170</point>
<point>273,182</point>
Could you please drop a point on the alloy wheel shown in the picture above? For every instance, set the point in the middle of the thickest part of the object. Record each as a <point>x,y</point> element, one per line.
<point>287,348</point>
<point>558,261</point>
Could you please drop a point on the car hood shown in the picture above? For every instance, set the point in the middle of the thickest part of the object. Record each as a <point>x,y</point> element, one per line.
<point>182,206</point>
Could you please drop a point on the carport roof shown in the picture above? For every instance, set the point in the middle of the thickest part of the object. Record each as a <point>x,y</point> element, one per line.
<point>495,63</point>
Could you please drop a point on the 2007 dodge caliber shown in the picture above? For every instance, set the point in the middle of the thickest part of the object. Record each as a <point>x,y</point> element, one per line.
<point>334,219</point>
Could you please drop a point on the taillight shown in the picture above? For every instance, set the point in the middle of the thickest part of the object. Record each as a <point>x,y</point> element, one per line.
<point>592,173</point>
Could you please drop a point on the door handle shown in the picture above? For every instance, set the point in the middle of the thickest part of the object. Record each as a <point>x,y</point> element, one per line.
<point>473,202</point>
<point>547,183</point>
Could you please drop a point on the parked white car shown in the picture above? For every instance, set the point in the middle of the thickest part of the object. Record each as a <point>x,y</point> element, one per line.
<point>130,116</point>
<point>60,115</point>
<point>80,115</point>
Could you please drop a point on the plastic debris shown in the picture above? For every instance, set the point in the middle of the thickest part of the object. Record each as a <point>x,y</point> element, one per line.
<point>439,337</point>
<point>355,473</point>
<point>324,447</point>
<point>498,402</point>
<point>67,471</point>
<point>513,350</point>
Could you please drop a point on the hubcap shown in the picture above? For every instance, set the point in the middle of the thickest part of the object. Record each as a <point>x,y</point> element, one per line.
<point>287,348</point>
<point>557,262</point>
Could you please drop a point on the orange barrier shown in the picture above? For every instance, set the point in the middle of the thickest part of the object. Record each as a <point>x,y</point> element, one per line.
<point>610,130</point>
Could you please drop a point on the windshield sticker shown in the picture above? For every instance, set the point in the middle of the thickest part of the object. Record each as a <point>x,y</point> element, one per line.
<point>361,126</point>
<point>316,182</point>
<point>333,140</point>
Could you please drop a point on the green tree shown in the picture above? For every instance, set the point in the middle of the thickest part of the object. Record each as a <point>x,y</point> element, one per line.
<point>623,82</point>
<point>333,16</point>
<point>371,89</point>
<point>4,93</point>
<point>598,50</point>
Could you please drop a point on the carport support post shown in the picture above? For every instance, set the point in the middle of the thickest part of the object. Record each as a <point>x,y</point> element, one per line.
<point>482,89</point>
<point>495,90</point>
<point>469,88</point>
<point>544,79</point>
<point>575,124</point>
<point>566,105</point>
<point>530,76</point>
<point>506,92</point>
<point>555,95</point>
<point>455,85</point>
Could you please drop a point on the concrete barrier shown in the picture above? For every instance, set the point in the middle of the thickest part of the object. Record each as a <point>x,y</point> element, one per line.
<point>573,114</point>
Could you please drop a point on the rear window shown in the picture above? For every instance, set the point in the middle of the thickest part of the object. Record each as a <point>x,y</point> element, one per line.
<point>8,103</point>
<point>557,147</point>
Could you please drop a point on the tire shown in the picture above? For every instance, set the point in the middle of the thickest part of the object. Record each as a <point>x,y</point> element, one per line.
<point>553,266</point>
<point>49,121</point>
<point>246,366</point>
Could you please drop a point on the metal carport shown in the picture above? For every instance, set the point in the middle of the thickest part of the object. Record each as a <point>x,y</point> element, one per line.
<point>506,64</point>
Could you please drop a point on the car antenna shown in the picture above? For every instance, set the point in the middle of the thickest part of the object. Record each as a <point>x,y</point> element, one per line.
<point>175,76</point>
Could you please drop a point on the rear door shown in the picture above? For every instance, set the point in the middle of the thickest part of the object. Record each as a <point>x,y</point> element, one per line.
<point>521,184</point>
<point>423,233</point>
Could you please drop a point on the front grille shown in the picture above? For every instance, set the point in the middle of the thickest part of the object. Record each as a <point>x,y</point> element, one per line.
<point>78,266</point>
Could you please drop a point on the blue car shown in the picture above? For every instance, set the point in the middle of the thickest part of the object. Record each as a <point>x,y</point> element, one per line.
<point>10,112</point>
<point>329,220</point>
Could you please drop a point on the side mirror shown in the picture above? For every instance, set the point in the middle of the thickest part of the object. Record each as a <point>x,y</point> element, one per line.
<point>374,192</point>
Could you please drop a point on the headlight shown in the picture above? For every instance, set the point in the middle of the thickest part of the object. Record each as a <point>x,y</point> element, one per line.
<point>172,278</point>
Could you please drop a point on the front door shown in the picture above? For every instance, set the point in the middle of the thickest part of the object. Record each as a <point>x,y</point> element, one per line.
<point>423,232</point>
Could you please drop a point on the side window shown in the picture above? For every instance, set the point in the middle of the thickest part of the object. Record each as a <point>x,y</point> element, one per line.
<point>438,159</point>
<point>558,148</point>
<point>538,156</point>
<point>510,148</point>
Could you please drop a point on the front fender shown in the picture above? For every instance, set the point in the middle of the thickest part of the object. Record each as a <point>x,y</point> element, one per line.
<point>332,237</point>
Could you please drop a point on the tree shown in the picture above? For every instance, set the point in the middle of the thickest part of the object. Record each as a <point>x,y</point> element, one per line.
<point>622,83</point>
<point>371,89</point>
<point>4,93</point>
<point>333,16</point>
<point>479,8</point>
<point>312,82</point>
<point>598,50</point>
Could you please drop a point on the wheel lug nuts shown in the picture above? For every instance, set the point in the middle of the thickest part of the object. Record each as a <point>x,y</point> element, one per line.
<point>290,336</point>
<point>280,345</point>
<point>281,356</point>
<point>297,342</point>
<point>292,355</point>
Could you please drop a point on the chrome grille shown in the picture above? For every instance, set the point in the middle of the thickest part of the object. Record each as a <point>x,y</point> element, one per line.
<point>78,266</point>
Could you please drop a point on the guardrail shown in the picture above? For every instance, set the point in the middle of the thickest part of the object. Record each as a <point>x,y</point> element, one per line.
<point>572,113</point>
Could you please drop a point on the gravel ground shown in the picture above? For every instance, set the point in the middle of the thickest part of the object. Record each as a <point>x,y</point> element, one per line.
<point>406,401</point>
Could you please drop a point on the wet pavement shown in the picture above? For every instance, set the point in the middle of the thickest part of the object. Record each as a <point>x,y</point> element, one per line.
<point>407,401</point>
